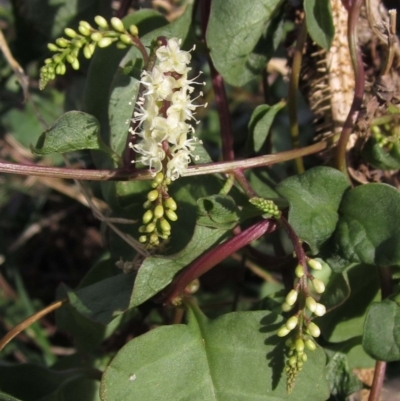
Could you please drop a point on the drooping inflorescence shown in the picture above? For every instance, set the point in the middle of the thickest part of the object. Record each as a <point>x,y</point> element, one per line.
<point>300,327</point>
<point>161,123</point>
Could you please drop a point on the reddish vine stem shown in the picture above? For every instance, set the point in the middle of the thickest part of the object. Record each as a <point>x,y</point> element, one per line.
<point>221,99</point>
<point>354,13</point>
<point>211,258</point>
<point>380,366</point>
<point>298,248</point>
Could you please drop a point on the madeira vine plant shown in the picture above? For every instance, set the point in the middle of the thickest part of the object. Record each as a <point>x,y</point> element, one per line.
<point>283,229</point>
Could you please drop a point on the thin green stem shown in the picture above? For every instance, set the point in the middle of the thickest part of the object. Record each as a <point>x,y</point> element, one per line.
<point>292,95</point>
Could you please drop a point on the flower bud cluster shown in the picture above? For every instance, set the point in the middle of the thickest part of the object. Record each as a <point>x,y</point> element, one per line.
<point>268,207</point>
<point>86,38</point>
<point>163,111</point>
<point>159,209</point>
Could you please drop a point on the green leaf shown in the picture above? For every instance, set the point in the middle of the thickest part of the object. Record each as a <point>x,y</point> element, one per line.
<point>236,357</point>
<point>218,211</point>
<point>381,337</point>
<point>319,22</point>
<point>157,272</point>
<point>73,131</point>
<point>314,199</point>
<point>6,397</point>
<point>260,124</point>
<point>380,157</point>
<point>347,320</point>
<point>368,229</point>
<point>239,38</point>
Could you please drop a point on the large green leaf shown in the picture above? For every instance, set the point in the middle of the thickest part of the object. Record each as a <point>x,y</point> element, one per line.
<point>381,337</point>
<point>319,21</point>
<point>73,131</point>
<point>239,38</point>
<point>314,199</point>
<point>236,357</point>
<point>368,229</point>
<point>157,272</point>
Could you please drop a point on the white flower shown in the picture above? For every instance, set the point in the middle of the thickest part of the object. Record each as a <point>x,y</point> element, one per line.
<point>172,58</point>
<point>178,164</point>
<point>152,154</point>
<point>148,110</point>
<point>182,107</point>
<point>158,84</point>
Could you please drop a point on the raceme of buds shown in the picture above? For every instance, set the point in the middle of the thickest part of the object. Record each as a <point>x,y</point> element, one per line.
<point>86,38</point>
<point>163,112</point>
<point>269,208</point>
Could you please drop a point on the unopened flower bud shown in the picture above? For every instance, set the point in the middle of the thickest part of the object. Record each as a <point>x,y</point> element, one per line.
<point>61,42</point>
<point>283,331</point>
<point>320,310</point>
<point>117,24</point>
<point>87,51</point>
<point>96,36</point>
<point>299,271</point>
<point>158,179</point>
<point>70,58</point>
<point>165,226</point>
<point>286,307</point>
<point>104,42</point>
<point>152,195</point>
<point>154,239</point>
<point>170,204</point>
<point>142,239</point>
<point>171,215</point>
<point>52,47</point>
<point>61,69</point>
<point>292,361</point>
<point>310,344</point>
<point>124,38</point>
<point>314,264</point>
<point>134,30</point>
<point>311,304</point>
<point>314,329</point>
<point>147,217</point>
<point>304,357</point>
<point>291,297</point>
<point>150,227</point>
<point>299,345</point>
<point>319,286</point>
<point>158,212</point>
<point>75,64</point>
<point>84,30</point>
<point>101,22</point>
<point>70,32</point>
<point>122,46</point>
<point>292,322</point>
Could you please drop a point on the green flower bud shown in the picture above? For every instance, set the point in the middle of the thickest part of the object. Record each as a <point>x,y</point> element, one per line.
<point>291,297</point>
<point>134,30</point>
<point>310,344</point>
<point>123,46</point>
<point>159,178</point>
<point>292,322</point>
<point>152,195</point>
<point>57,60</point>
<point>289,342</point>
<point>314,264</point>
<point>84,30</point>
<point>142,229</point>
<point>147,217</point>
<point>142,239</point>
<point>124,38</point>
<point>300,365</point>
<point>154,239</point>
<point>311,304</point>
<point>283,331</point>
<point>319,286</point>
<point>48,61</point>
<point>101,22</point>
<point>171,215</point>
<point>61,69</point>
<point>304,356</point>
<point>96,36</point>
<point>52,47</point>
<point>62,42</point>
<point>70,32</point>
<point>87,51</point>
<point>320,310</point>
<point>150,227</point>
<point>117,24</point>
<point>299,271</point>
<point>78,43</point>
<point>165,226</point>
<point>292,361</point>
<point>75,64</point>
<point>314,329</point>
<point>158,212</point>
<point>105,42</point>
<point>70,58</point>
<point>286,307</point>
<point>170,204</point>
<point>299,345</point>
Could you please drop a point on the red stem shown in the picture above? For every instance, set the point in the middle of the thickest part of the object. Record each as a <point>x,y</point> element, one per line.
<point>211,258</point>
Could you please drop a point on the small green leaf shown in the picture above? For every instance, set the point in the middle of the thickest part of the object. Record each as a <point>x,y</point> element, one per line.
<point>218,211</point>
<point>236,357</point>
<point>381,337</point>
<point>368,229</point>
<point>73,131</point>
<point>260,124</point>
<point>319,22</point>
<point>314,199</point>
<point>239,38</point>
<point>380,157</point>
